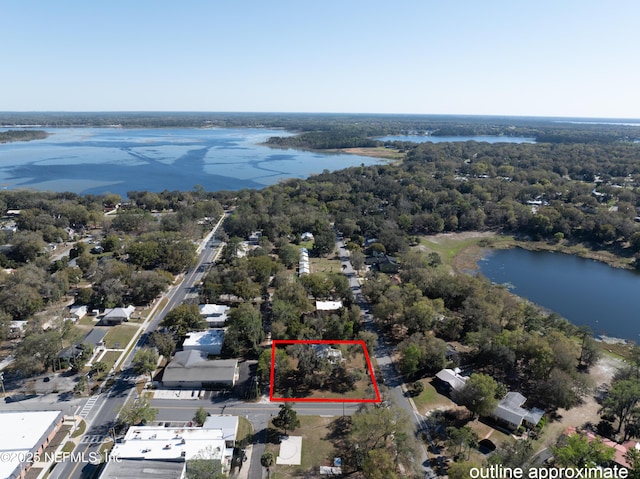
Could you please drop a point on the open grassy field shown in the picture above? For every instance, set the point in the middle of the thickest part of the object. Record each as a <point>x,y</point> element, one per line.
<point>317,450</point>
<point>119,336</point>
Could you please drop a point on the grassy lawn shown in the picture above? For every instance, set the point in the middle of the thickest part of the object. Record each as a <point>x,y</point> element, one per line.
<point>80,429</point>
<point>88,321</point>
<point>119,336</point>
<point>245,432</point>
<point>316,449</point>
<point>329,264</point>
<point>430,398</point>
<point>110,358</point>
<point>452,246</point>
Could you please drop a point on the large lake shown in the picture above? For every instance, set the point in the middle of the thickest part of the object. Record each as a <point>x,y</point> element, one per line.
<point>449,139</point>
<point>583,291</point>
<point>117,160</point>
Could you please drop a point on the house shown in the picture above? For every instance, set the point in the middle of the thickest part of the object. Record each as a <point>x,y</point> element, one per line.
<point>510,413</point>
<point>95,337</point>
<point>77,312</point>
<point>214,314</point>
<point>328,305</point>
<point>17,329</point>
<point>324,351</point>
<point>27,434</point>
<point>450,379</point>
<point>192,370</point>
<point>383,263</point>
<point>254,238</point>
<point>158,443</point>
<point>209,341</point>
<point>116,316</point>
<point>304,266</point>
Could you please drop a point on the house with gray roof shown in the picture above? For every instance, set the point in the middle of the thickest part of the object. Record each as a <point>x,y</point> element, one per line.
<point>192,370</point>
<point>510,413</point>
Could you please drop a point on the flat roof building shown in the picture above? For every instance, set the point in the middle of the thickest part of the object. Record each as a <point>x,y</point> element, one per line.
<point>153,443</point>
<point>25,434</point>
<point>209,341</point>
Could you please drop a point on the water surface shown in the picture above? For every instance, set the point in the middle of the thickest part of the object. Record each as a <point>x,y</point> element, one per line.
<point>585,292</point>
<point>117,160</point>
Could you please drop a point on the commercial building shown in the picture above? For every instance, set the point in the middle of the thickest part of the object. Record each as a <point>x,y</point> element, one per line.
<point>192,370</point>
<point>25,434</point>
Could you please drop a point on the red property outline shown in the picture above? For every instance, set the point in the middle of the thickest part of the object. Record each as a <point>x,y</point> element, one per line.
<point>274,345</point>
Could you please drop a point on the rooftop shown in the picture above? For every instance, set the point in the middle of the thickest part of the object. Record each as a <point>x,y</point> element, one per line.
<point>141,469</point>
<point>163,443</point>
<point>24,431</point>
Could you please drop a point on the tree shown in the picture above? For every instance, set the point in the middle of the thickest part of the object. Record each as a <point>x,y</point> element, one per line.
<point>580,451</point>
<point>145,361</point>
<point>461,441</point>
<point>184,318</point>
<point>267,460</point>
<point>163,342</point>
<point>379,464</point>
<point>621,400</point>
<point>99,367</point>
<point>417,388</point>
<point>206,464</point>
<point>138,412</point>
<point>27,245</point>
<point>200,416</point>
<point>478,395</point>
<point>287,418</point>
<point>245,332</point>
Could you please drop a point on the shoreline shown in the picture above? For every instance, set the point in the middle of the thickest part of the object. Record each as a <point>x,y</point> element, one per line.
<point>476,245</point>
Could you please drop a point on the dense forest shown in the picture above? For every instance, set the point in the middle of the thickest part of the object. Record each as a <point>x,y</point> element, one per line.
<point>21,135</point>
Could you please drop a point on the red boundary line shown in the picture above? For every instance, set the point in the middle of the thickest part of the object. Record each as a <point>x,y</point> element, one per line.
<point>274,345</point>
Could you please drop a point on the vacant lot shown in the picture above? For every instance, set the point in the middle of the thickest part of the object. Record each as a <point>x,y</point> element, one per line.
<point>337,371</point>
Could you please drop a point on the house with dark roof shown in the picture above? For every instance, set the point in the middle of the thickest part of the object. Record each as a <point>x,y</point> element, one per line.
<point>450,380</point>
<point>510,412</point>
<point>383,263</point>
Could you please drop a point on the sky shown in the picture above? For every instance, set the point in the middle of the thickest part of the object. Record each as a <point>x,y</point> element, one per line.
<point>566,58</point>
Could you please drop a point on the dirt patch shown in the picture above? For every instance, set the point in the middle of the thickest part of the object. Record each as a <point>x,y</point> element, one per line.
<point>601,375</point>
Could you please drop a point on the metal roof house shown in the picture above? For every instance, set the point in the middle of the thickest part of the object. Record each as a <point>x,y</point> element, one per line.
<point>450,379</point>
<point>510,413</point>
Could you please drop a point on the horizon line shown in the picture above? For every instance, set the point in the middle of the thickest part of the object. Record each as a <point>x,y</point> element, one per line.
<point>231,112</point>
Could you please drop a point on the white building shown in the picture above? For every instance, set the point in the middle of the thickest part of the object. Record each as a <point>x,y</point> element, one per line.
<point>209,341</point>
<point>215,315</point>
<point>25,434</point>
<point>328,305</point>
<point>154,443</point>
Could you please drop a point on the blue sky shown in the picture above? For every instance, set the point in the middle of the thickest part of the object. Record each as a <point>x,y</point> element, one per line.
<point>539,58</point>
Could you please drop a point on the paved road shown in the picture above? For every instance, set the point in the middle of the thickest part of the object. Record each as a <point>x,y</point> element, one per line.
<point>100,419</point>
<point>392,379</point>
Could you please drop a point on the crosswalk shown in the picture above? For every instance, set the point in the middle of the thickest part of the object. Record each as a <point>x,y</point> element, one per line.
<point>86,409</point>
<point>92,439</point>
